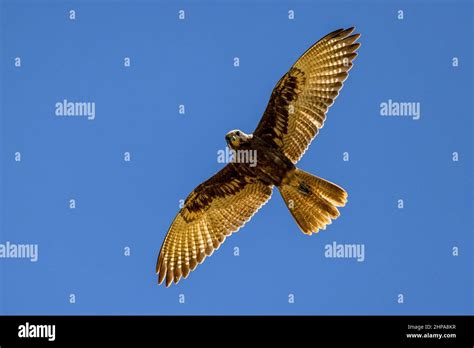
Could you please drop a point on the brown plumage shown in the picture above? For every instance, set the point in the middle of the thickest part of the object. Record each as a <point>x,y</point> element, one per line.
<point>295,113</point>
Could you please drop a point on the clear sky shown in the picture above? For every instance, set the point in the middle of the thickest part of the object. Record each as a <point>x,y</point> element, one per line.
<point>417,259</point>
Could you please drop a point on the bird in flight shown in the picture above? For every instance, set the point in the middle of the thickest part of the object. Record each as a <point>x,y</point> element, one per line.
<point>294,114</point>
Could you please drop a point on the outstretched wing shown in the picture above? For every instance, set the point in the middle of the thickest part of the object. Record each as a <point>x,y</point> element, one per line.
<point>299,102</point>
<point>215,209</point>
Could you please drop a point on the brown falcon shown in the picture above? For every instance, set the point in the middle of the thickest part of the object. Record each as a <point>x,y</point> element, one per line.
<point>295,113</point>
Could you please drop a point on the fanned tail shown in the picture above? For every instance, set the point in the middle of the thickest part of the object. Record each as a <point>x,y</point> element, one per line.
<point>311,200</point>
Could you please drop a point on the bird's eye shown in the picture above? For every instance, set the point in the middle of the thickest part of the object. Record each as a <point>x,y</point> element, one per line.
<point>233,138</point>
<point>238,133</point>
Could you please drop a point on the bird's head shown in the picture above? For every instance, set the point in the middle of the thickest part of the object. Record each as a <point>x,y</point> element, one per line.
<point>236,138</point>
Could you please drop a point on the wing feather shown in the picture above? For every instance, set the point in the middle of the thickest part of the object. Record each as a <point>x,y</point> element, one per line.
<point>214,210</point>
<point>299,102</point>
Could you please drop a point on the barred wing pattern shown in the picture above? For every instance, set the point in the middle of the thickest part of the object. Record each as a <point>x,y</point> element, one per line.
<point>214,210</point>
<point>299,102</point>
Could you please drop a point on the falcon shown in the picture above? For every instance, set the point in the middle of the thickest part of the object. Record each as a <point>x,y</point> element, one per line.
<point>295,112</point>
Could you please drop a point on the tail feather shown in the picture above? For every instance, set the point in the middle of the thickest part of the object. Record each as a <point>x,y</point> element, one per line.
<point>311,200</point>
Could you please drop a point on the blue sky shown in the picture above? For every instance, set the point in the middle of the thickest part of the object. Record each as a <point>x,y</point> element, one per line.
<point>189,62</point>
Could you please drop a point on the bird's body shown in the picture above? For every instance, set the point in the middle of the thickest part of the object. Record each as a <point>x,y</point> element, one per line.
<point>225,202</point>
<point>272,164</point>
